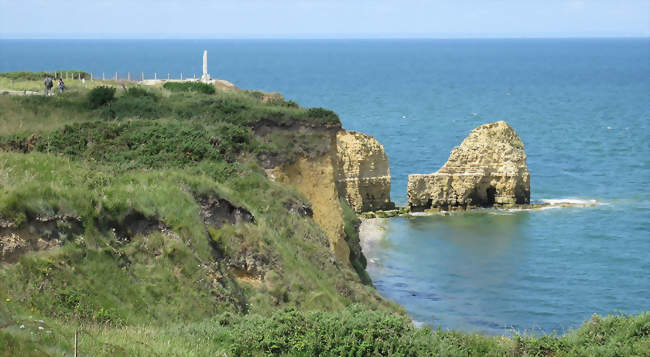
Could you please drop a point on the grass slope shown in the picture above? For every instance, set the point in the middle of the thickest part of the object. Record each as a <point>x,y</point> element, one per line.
<point>102,157</point>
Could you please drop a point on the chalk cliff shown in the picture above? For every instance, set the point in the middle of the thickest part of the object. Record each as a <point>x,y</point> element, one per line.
<point>363,175</point>
<point>487,169</point>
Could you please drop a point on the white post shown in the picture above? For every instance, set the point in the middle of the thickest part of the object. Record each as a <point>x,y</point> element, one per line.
<point>155,75</point>
<point>103,77</point>
<point>128,76</point>
<point>181,76</point>
<point>115,75</point>
<point>169,76</point>
<point>143,76</point>
<point>91,77</point>
<point>194,75</point>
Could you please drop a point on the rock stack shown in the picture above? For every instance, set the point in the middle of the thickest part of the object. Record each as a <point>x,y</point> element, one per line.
<point>363,176</point>
<point>487,169</point>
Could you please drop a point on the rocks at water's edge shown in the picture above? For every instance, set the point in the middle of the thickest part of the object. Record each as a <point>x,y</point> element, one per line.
<point>487,169</point>
<point>363,175</point>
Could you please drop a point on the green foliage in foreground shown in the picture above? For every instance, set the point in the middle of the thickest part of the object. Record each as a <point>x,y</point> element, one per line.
<point>354,331</point>
<point>198,87</point>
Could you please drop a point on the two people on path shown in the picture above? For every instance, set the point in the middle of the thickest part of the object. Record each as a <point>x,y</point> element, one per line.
<point>49,84</point>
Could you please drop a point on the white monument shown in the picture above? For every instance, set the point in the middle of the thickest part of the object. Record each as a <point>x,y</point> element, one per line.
<point>206,76</point>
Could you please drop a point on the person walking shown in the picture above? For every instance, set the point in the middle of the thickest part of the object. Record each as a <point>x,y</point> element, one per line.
<point>61,85</point>
<point>48,84</point>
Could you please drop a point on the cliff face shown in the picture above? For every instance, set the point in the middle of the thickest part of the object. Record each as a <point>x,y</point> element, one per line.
<point>363,175</point>
<point>314,178</point>
<point>487,169</point>
<point>342,164</point>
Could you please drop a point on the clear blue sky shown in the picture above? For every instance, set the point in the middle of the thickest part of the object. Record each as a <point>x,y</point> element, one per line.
<point>322,18</point>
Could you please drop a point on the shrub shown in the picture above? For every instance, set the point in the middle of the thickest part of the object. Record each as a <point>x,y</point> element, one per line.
<point>323,115</point>
<point>190,87</point>
<point>230,140</point>
<point>135,92</point>
<point>319,113</point>
<point>100,96</point>
<point>138,106</point>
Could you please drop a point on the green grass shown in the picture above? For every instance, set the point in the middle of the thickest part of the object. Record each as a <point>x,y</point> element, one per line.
<point>269,286</point>
<point>294,248</point>
<point>222,123</point>
<point>354,331</point>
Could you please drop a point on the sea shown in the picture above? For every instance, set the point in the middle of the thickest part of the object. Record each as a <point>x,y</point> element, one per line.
<point>580,106</point>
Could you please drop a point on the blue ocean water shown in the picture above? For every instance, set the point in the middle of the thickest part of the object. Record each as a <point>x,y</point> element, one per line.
<point>581,107</point>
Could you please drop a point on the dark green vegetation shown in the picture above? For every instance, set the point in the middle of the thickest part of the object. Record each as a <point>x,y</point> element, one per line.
<point>190,87</point>
<point>144,219</point>
<point>353,331</point>
<point>100,96</point>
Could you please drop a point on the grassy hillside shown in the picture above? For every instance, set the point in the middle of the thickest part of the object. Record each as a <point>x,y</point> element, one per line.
<point>144,219</point>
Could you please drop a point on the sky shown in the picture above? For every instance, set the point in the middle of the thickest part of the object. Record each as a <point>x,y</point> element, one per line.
<point>323,18</point>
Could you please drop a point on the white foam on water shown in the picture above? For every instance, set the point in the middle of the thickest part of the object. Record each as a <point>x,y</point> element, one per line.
<point>371,231</point>
<point>570,201</point>
<point>423,214</point>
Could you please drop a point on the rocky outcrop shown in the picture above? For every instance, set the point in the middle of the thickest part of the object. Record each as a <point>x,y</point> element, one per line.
<point>217,212</point>
<point>363,175</point>
<point>41,233</point>
<point>487,169</point>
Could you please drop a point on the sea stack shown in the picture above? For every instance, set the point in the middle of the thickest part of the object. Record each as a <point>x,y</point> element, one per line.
<point>363,175</point>
<point>487,169</point>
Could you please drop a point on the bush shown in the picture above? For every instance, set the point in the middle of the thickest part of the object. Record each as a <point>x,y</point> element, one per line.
<point>135,92</point>
<point>323,115</point>
<point>100,96</point>
<point>190,87</point>
<point>319,113</point>
<point>135,107</point>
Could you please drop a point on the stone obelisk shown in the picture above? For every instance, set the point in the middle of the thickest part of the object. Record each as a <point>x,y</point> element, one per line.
<point>206,76</point>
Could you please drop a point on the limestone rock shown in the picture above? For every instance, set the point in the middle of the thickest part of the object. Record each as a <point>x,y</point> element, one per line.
<point>363,175</point>
<point>487,169</point>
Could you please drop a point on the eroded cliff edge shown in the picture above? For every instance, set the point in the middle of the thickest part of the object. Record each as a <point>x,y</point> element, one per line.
<point>487,169</point>
<point>343,166</point>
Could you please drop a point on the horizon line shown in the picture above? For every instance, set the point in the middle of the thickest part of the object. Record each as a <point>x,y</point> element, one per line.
<point>142,36</point>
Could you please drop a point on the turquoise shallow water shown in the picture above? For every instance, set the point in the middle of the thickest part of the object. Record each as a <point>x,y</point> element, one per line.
<point>581,107</point>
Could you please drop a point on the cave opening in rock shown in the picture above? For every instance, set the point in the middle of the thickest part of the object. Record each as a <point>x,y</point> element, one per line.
<point>491,193</point>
